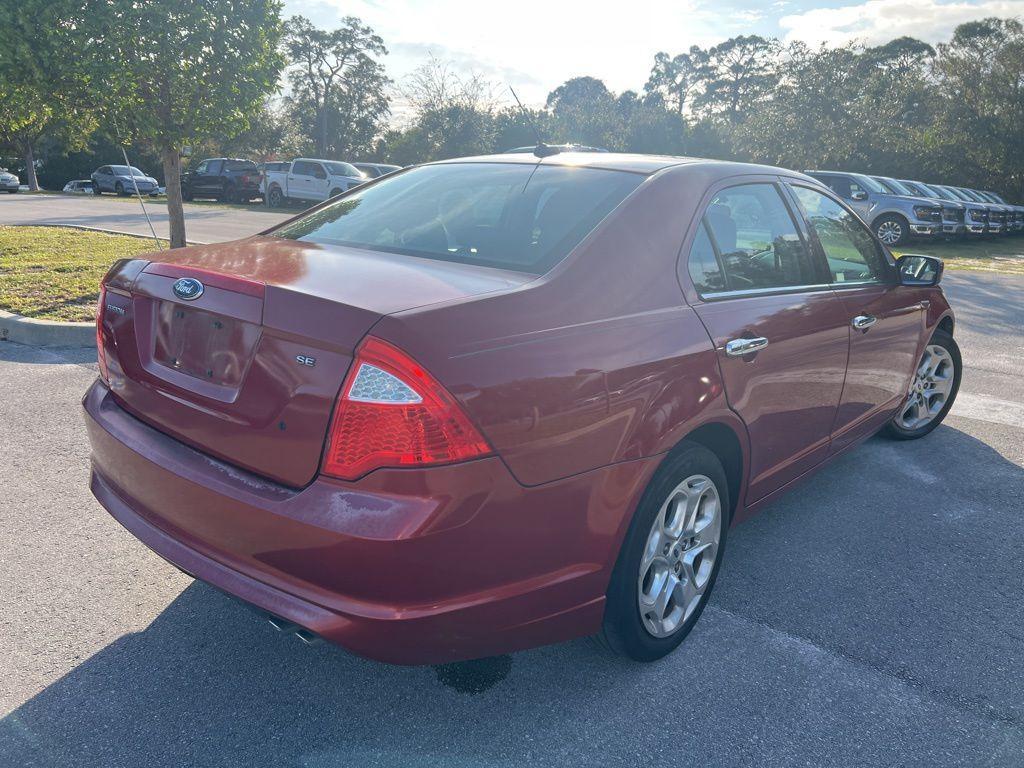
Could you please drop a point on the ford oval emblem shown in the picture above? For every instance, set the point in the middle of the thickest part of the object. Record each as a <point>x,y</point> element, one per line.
<point>187,288</point>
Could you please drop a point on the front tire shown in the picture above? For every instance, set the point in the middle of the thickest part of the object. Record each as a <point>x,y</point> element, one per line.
<point>670,558</point>
<point>334,193</point>
<point>119,189</point>
<point>892,230</point>
<point>932,390</point>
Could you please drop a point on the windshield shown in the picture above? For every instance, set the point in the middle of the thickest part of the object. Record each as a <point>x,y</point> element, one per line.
<point>124,170</point>
<point>342,169</point>
<point>937,192</point>
<point>897,187</point>
<point>996,198</point>
<point>524,217</point>
<point>972,195</point>
<point>868,183</point>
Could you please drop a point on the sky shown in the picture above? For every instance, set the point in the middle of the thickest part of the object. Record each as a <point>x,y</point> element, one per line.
<point>535,45</point>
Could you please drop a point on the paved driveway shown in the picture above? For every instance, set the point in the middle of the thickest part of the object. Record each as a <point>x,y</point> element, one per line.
<point>873,617</point>
<point>204,223</point>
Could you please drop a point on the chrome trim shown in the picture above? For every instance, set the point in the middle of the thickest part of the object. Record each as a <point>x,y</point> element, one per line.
<point>766,291</point>
<point>741,347</point>
<point>863,322</point>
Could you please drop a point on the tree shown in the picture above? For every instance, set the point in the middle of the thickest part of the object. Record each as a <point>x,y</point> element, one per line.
<point>678,78</point>
<point>739,72</point>
<point>339,89</point>
<point>49,70</point>
<point>189,71</point>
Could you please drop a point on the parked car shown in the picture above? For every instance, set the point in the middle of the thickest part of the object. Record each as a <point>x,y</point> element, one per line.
<point>1015,213</point>
<point>482,405</point>
<point>953,213</point>
<point>893,218</point>
<point>9,182</point>
<point>122,180</point>
<point>222,178</point>
<point>975,215</point>
<point>996,224</point>
<point>375,170</point>
<point>310,180</point>
<point>79,187</point>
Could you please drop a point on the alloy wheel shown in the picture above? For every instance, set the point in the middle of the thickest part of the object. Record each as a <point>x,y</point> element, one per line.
<point>890,232</point>
<point>679,556</point>
<point>929,389</point>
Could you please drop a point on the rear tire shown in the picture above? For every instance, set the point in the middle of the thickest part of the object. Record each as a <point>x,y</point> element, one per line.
<point>932,391</point>
<point>275,198</point>
<point>891,230</point>
<point>662,581</point>
<point>186,195</point>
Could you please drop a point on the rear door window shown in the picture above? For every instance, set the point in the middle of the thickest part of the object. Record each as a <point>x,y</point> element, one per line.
<point>520,216</point>
<point>756,242</point>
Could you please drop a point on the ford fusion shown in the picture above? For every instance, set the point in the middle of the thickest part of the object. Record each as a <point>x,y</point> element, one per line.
<point>487,404</point>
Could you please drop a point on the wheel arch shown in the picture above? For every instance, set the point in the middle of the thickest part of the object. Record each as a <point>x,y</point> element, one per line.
<point>896,214</point>
<point>723,441</point>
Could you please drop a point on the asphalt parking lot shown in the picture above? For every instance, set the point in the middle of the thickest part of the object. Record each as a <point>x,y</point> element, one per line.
<point>205,223</point>
<point>872,617</point>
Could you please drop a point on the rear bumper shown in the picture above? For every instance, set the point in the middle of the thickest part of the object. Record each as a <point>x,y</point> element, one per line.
<point>447,563</point>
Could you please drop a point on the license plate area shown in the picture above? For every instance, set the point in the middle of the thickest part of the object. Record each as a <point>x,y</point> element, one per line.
<point>201,344</point>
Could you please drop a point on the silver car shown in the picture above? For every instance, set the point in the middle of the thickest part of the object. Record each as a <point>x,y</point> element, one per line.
<point>9,182</point>
<point>953,212</point>
<point>122,180</point>
<point>893,218</point>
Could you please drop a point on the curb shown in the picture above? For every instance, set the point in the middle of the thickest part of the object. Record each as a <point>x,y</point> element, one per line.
<point>46,333</point>
<point>99,229</point>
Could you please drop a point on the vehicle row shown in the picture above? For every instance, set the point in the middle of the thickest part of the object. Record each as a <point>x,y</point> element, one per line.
<point>232,179</point>
<point>898,210</point>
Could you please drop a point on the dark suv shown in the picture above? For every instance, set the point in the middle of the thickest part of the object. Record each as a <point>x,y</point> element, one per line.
<point>222,178</point>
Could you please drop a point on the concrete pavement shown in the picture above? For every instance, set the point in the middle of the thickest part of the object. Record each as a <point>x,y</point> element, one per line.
<point>204,223</point>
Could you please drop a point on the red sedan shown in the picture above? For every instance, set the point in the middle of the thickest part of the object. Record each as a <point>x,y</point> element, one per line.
<point>486,404</point>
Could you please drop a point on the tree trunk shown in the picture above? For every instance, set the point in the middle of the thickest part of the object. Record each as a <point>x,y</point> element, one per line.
<point>175,210</point>
<point>30,167</point>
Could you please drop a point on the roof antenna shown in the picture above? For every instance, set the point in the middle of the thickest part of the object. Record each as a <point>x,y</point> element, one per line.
<point>542,150</point>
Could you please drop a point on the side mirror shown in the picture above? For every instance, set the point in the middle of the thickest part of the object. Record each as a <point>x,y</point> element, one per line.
<point>860,195</point>
<point>918,270</point>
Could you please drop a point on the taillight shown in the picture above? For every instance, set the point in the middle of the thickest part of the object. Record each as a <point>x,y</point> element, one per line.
<point>392,413</point>
<point>101,355</point>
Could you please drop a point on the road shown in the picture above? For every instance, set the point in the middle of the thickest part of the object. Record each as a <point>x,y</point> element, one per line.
<point>204,222</point>
<point>873,617</point>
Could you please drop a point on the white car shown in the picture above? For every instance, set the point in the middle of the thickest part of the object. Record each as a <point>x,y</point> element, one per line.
<point>79,187</point>
<point>309,179</point>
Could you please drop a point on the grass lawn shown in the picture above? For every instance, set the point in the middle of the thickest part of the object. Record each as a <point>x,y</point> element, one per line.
<point>998,254</point>
<point>54,273</point>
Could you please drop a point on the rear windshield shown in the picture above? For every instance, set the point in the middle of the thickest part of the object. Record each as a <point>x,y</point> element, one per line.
<point>524,217</point>
<point>239,165</point>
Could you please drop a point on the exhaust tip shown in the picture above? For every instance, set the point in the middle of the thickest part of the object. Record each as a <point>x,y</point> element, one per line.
<point>283,625</point>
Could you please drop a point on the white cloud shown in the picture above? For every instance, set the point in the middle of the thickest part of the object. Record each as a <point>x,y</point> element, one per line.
<point>878,21</point>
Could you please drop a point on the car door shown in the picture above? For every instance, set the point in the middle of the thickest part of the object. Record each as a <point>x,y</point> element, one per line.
<point>195,178</point>
<point>213,182</point>
<point>103,179</point>
<point>780,331</point>
<point>886,319</point>
<point>300,180</point>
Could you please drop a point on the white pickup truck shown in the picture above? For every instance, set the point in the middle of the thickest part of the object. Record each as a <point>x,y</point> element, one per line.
<point>308,179</point>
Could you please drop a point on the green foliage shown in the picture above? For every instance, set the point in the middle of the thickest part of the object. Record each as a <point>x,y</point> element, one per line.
<point>338,98</point>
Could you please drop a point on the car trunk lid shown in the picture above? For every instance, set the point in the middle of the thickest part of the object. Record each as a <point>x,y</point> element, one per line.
<point>248,370</point>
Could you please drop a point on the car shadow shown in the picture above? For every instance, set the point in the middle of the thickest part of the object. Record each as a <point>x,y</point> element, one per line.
<point>210,683</point>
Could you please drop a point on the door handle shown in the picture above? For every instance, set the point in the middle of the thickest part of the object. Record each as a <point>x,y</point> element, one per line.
<point>741,347</point>
<point>863,322</point>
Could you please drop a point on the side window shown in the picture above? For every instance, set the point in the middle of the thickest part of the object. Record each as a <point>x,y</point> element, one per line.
<point>317,170</point>
<point>201,168</point>
<point>214,167</point>
<point>302,168</point>
<point>850,249</point>
<point>756,240</point>
<point>841,185</point>
<point>105,170</point>
<point>705,270</point>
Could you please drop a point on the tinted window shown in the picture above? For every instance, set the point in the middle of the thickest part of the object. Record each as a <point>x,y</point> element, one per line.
<point>703,264</point>
<point>850,249</point>
<point>201,168</point>
<point>303,168</point>
<point>757,242</point>
<point>342,169</point>
<point>214,166</point>
<point>515,216</point>
<point>239,165</point>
